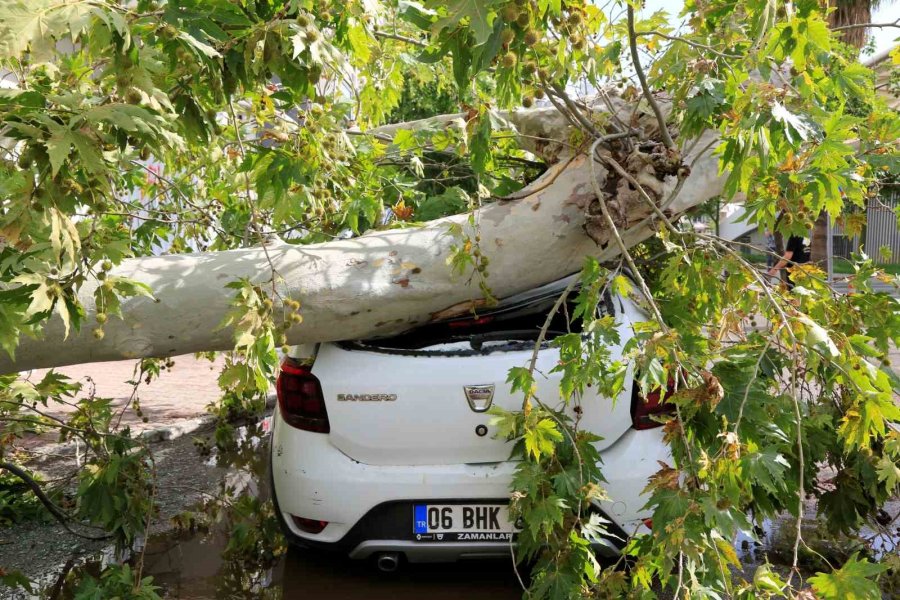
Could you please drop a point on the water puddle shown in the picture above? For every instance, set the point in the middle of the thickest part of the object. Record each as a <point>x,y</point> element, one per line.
<point>820,548</point>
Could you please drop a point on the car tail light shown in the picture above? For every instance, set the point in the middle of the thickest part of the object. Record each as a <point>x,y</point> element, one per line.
<point>643,410</point>
<point>309,525</point>
<point>300,398</point>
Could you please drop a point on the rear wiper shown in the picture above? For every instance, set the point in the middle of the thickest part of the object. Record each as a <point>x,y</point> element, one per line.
<point>477,340</point>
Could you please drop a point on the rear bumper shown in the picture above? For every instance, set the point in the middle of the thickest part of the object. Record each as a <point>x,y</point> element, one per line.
<point>368,508</point>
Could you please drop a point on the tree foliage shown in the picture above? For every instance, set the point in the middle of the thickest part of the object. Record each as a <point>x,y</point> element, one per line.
<point>134,128</point>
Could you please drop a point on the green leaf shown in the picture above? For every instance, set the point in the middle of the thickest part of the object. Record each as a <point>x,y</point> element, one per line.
<point>36,24</point>
<point>766,468</point>
<point>817,338</point>
<point>205,49</point>
<point>16,579</point>
<point>791,121</point>
<point>621,285</point>
<point>545,514</point>
<point>541,439</point>
<point>853,80</point>
<point>41,300</point>
<point>452,201</point>
<point>765,579</point>
<point>59,146</point>
<point>477,14</point>
<point>130,287</point>
<point>888,473</point>
<point>480,144</point>
<point>520,380</point>
<point>359,41</point>
<point>505,423</point>
<point>853,581</point>
<point>405,139</point>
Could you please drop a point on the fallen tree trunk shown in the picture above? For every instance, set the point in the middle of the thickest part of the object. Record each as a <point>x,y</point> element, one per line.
<point>386,281</point>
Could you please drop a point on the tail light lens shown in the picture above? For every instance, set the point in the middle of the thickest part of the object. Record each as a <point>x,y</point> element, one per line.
<point>644,409</point>
<point>300,398</point>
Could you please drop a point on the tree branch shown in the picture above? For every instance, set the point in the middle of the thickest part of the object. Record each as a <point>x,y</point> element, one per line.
<point>632,42</point>
<point>400,38</point>
<point>54,510</point>
<point>867,26</point>
<point>683,40</point>
<point>576,112</point>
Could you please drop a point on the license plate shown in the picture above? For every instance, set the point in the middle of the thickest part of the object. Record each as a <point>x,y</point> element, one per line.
<point>462,523</point>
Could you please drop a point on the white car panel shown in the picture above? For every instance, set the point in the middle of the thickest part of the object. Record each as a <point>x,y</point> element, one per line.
<point>430,421</point>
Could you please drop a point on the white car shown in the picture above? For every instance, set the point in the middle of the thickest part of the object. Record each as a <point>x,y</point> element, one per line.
<point>385,448</point>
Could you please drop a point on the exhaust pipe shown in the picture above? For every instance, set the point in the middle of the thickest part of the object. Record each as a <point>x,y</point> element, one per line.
<point>388,562</point>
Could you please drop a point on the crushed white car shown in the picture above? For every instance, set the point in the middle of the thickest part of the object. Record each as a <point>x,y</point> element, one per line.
<point>385,448</point>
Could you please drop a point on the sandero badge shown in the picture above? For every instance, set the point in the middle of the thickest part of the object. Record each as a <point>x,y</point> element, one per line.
<point>479,397</point>
<point>367,397</point>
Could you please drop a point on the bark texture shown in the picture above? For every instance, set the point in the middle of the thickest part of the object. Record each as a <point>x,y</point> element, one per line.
<point>388,281</point>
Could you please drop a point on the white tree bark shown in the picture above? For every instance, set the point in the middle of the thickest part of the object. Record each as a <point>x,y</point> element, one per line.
<point>376,284</point>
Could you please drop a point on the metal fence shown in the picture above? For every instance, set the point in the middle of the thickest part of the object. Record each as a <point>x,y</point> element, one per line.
<point>880,231</point>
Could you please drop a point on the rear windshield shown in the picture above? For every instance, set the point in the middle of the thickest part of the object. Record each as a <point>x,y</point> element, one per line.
<point>505,329</point>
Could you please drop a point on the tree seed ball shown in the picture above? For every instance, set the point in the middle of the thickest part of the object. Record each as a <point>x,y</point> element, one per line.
<point>528,101</point>
<point>523,19</point>
<point>98,333</point>
<point>539,93</point>
<point>302,21</point>
<point>574,19</point>
<point>509,60</point>
<point>507,36</point>
<point>102,318</point>
<point>532,37</point>
<point>510,12</point>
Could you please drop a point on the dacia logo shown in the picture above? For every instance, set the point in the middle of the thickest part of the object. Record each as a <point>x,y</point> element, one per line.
<point>479,397</point>
<point>366,397</point>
